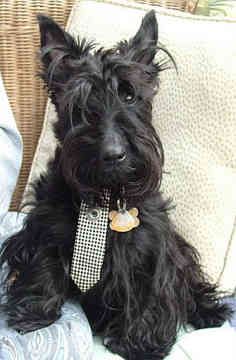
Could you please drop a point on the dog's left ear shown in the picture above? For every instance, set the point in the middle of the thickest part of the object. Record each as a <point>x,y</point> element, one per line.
<point>143,44</point>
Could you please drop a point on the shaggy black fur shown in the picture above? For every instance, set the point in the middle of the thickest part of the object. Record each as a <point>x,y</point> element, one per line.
<point>151,282</point>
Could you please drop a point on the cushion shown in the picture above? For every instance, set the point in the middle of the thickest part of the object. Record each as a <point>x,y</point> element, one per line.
<point>207,344</point>
<point>194,113</point>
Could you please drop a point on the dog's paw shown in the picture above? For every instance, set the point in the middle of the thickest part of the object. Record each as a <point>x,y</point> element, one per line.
<point>214,317</point>
<point>127,352</point>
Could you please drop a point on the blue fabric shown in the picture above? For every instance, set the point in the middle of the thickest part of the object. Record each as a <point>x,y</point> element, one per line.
<point>10,154</point>
<point>69,338</point>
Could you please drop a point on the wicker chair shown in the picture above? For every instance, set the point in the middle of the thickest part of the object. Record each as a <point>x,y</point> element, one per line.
<point>19,41</point>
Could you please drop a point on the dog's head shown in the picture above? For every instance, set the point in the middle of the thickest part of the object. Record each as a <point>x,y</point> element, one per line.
<point>104,103</point>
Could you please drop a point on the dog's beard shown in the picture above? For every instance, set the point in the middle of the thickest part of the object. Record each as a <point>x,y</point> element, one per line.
<point>139,174</point>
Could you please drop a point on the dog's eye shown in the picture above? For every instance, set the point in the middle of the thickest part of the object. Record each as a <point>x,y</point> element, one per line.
<point>126,92</point>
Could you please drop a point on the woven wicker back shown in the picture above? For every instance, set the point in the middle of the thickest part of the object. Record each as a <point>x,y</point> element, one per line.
<point>183,5</point>
<point>19,41</point>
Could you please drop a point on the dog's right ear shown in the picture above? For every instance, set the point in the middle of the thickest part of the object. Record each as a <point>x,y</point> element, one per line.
<point>143,45</point>
<point>55,42</point>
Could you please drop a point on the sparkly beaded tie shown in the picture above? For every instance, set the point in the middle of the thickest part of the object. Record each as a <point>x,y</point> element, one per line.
<point>90,244</point>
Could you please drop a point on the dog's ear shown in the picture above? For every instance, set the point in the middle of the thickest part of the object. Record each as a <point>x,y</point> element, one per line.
<point>143,45</point>
<point>55,42</point>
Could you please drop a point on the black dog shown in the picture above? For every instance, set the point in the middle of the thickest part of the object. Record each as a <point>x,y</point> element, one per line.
<point>151,282</point>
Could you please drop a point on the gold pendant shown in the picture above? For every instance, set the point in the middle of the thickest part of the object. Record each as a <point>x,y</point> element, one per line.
<point>123,220</point>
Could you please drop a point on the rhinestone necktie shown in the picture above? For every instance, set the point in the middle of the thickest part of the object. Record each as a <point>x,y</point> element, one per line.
<point>90,244</point>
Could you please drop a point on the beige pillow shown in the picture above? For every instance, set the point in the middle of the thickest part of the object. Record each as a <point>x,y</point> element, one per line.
<point>195,115</point>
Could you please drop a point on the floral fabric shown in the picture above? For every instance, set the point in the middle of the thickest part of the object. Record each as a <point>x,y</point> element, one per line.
<point>69,338</point>
<point>217,8</point>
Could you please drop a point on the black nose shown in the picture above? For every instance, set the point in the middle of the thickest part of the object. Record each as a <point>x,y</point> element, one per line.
<point>114,153</point>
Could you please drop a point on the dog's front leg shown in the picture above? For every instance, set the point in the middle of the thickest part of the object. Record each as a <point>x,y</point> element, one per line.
<point>141,287</point>
<point>37,280</point>
<point>147,342</point>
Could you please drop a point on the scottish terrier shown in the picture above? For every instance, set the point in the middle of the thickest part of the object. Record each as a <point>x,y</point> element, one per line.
<point>151,281</point>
